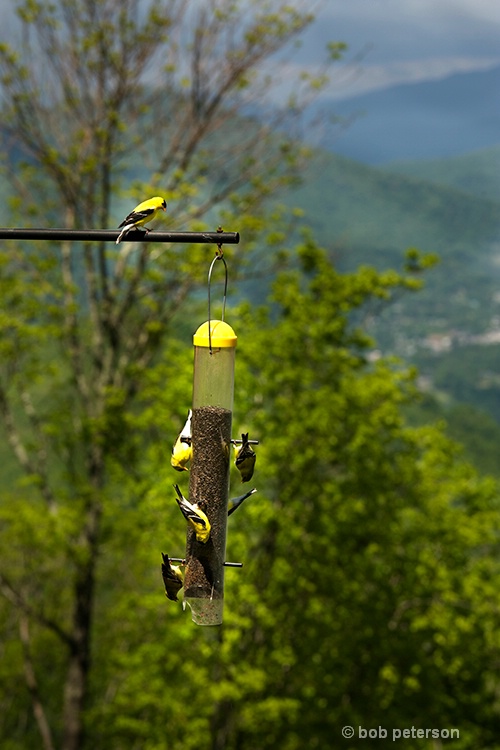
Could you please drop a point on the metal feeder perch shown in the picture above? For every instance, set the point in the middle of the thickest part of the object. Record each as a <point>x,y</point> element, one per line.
<point>213,391</point>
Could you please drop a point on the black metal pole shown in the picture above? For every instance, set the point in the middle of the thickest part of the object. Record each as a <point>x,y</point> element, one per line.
<point>110,235</point>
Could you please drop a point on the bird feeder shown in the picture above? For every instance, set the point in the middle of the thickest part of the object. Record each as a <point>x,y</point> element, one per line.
<point>213,391</point>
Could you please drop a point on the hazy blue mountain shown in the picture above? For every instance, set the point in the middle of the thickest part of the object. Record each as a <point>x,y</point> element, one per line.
<point>426,120</point>
<point>367,215</point>
<point>477,172</point>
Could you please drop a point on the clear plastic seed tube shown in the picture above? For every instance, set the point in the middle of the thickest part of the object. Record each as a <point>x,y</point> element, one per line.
<point>213,392</point>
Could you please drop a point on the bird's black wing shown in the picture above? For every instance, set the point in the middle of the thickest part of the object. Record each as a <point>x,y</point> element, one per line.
<point>191,515</point>
<point>135,216</point>
<point>171,582</point>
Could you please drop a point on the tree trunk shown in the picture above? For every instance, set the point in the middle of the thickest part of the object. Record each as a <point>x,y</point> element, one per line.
<point>74,699</point>
<point>75,688</point>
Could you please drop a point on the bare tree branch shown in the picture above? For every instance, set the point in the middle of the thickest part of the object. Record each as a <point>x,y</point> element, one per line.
<point>8,590</point>
<point>32,684</point>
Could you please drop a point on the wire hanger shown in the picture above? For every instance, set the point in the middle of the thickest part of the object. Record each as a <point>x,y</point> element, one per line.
<point>219,255</point>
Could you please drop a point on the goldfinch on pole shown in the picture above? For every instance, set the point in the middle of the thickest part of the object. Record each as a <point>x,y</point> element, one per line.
<point>144,212</point>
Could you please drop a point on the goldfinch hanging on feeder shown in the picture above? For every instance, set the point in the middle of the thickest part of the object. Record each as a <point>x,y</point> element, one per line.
<point>173,578</point>
<point>144,212</point>
<point>183,450</point>
<point>245,458</point>
<point>195,517</point>
<point>235,502</point>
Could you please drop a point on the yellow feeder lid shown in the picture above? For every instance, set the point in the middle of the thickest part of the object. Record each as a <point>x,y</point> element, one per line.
<point>221,335</point>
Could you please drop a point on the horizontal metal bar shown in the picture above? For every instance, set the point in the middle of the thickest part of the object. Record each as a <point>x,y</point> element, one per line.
<point>110,235</point>
<point>227,564</point>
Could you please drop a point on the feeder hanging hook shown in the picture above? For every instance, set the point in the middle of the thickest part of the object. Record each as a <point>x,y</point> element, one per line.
<point>219,255</point>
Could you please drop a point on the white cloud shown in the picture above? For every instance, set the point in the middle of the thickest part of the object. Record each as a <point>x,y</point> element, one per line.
<point>403,41</point>
<point>373,77</point>
<point>421,11</point>
<point>483,10</point>
<point>352,79</point>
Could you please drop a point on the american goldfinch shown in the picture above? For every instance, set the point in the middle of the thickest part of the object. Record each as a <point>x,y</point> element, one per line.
<point>235,502</point>
<point>144,212</point>
<point>172,578</point>
<point>245,458</point>
<point>182,450</point>
<point>195,517</point>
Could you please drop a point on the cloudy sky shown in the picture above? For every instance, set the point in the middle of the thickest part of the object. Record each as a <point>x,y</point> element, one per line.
<point>402,41</point>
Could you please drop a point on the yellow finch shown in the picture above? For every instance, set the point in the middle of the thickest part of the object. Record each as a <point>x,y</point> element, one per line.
<point>172,578</point>
<point>144,212</point>
<point>235,502</point>
<point>182,450</point>
<point>194,515</point>
<point>245,458</point>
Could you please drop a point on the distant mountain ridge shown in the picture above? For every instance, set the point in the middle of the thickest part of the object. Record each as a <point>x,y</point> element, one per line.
<point>368,215</point>
<point>477,172</point>
<point>426,120</point>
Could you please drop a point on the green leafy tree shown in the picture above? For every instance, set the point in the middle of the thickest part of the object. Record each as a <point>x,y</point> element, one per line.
<point>374,548</point>
<point>370,586</point>
<point>370,579</point>
<point>96,93</point>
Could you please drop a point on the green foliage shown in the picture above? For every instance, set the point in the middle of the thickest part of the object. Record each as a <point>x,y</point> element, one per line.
<point>370,580</point>
<point>370,576</point>
<point>376,542</point>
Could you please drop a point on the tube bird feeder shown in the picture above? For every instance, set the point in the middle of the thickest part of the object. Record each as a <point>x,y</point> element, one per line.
<point>213,392</point>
